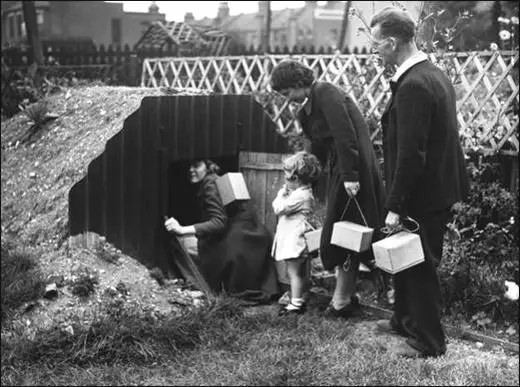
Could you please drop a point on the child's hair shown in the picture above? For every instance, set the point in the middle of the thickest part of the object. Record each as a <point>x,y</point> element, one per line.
<point>303,165</point>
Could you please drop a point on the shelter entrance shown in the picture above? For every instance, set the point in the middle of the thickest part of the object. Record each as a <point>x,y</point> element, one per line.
<point>181,199</point>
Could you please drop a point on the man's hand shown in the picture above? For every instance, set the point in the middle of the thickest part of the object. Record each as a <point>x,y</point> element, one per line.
<point>173,226</point>
<point>352,188</point>
<point>392,220</point>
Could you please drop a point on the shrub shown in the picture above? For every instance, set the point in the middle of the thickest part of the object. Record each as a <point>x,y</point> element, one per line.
<point>482,251</point>
<point>21,280</point>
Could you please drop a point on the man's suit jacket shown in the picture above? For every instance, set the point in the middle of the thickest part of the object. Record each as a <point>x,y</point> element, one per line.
<point>425,170</point>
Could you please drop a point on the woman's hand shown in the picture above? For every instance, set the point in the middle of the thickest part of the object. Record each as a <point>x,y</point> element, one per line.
<point>352,188</point>
<point>173,226</point>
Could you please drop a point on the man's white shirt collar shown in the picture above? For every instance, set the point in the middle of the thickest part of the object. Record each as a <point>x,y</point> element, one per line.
<point>410,62</point>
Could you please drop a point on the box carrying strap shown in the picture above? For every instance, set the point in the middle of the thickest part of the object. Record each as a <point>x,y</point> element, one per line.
<point>401,227</point>
<point>310,225</point>
<point>347,264</point>
<point>359,208</point>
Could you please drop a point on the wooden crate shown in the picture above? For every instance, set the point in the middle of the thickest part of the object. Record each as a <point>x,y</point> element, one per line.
<point>398,252</point>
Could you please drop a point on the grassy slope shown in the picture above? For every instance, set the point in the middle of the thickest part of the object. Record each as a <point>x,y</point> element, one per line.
<point>257,349</point>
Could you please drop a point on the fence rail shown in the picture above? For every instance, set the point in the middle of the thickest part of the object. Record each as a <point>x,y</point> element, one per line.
<point>486,84</point>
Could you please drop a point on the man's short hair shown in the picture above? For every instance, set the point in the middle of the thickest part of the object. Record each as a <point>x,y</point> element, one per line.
<point>395,23</point>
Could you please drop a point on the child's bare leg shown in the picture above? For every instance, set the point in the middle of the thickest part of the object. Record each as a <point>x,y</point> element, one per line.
<point>296,271</point>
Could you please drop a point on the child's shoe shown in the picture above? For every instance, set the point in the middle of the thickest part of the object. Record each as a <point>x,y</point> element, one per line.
<point>292,308</point>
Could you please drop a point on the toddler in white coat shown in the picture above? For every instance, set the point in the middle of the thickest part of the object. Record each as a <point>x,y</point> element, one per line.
<point>292,205</point>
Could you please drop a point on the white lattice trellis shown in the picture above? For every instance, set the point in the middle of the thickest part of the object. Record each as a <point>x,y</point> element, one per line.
<point>486,85</point>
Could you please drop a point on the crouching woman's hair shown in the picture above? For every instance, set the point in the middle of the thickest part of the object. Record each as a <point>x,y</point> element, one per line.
<point>290,73</point>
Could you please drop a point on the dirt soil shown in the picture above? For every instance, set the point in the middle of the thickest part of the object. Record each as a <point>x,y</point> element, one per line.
<point>36,179</point>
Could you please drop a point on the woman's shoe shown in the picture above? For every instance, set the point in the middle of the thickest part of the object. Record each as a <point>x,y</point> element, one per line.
<point>285,299</point>
<point>346,312</point>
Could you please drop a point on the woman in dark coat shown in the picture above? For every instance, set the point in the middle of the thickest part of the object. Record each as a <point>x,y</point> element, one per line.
<point>340,138</point>
<point>230,245</point>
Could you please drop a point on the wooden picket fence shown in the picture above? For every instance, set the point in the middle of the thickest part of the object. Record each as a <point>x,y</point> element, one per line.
<point>486,84</point>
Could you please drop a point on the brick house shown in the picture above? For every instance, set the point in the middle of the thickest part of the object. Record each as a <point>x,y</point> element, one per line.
<point>88,21</point>
<point>310,25</point>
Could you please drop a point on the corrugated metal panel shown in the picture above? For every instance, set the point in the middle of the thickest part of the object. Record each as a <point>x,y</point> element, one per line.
<point>124,195</point>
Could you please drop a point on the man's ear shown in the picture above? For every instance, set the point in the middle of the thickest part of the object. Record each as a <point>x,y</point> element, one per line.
<point>394,43</point>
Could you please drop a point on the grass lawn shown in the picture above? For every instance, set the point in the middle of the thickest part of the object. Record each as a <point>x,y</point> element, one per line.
<point>227,345</point>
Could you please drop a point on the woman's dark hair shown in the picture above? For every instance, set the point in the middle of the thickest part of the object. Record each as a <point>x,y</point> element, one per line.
<point>290,73</point>
<point>211,166</point>
<point>394,23</point>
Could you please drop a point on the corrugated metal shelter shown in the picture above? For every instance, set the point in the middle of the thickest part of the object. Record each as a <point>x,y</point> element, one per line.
<point>142,174</point>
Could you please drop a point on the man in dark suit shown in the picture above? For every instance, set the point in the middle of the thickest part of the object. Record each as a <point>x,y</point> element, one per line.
<point>425,175</point>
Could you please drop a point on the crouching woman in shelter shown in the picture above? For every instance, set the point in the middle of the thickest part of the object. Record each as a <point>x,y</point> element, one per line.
<point>230,245</point>
<point>340,139</point>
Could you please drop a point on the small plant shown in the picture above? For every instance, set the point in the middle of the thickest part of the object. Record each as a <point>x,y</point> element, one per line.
<point>38,113</point>
<point>84,285</point>
<point>21,280</point>
<point>107,253</point>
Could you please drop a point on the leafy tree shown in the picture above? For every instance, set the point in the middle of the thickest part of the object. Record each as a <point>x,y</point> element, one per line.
<point>464,25</point>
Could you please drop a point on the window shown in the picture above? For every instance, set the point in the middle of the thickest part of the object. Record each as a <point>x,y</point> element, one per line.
<point>116,31</point>
<point>19,22</point>
<point>11,26</point>
<point>39,16</point>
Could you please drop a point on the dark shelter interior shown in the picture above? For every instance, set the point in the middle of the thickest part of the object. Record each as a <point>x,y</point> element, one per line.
<point>181,201</point>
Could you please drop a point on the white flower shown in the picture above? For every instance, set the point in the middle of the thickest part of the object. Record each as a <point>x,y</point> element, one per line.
<point>505,35</point>
<point>493,46</point>
<point>512,290</point>
<point>514,20</point>
<point>512,220</point>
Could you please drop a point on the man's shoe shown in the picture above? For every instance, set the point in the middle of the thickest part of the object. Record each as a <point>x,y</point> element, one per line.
<point>346,312</point>
<point>405,350</point>
<point>385,326</point>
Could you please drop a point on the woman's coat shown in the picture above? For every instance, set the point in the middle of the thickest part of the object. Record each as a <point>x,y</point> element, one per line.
<point>340,138</point>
